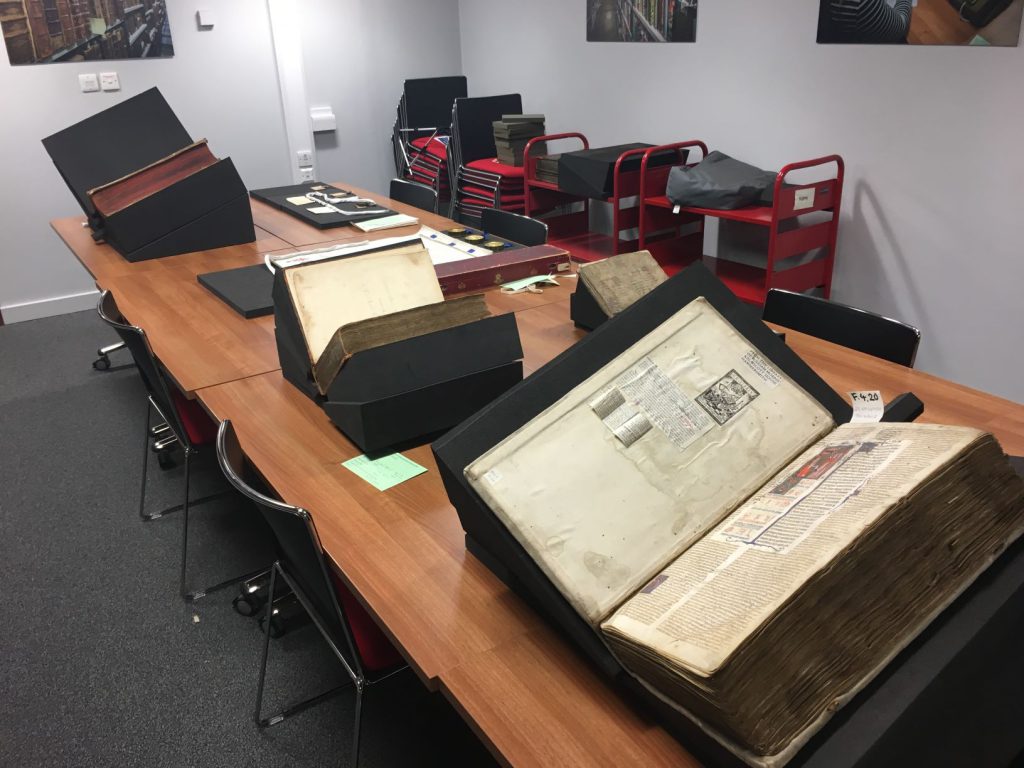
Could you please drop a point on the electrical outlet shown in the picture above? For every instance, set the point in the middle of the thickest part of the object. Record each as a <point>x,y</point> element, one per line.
<point>109,81</point>
<point>88,83</point>
<point>305,157</point>
<point>306,173</point>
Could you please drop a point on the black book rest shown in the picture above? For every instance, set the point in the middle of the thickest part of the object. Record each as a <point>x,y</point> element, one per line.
<point>207,209</point>
<point>583,308</point>
<point>411,389</point>
<point>882,725</point>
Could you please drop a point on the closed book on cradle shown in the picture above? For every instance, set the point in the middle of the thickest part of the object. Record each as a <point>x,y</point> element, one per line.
<point>618,281</point>
<point>365,332</point>
<point>149,190</point>
<point>374,332</point>
<point>750,563</point>
<point>347,286</point>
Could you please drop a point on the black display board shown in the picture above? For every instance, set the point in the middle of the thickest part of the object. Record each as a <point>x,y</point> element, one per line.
<point>247,290</point>
<point>278,197</point>
<point>115,142</point>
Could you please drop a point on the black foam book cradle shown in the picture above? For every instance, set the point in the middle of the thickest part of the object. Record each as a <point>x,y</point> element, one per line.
<point>408,390</point>
<point>952,675</point>
<point>207,209</point>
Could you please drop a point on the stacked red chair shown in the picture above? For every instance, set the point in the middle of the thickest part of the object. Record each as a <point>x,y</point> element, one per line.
<point>422,129</point>
<point>478,180</point>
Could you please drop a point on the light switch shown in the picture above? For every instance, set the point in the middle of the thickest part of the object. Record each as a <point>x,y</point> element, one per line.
<point>205,19</point>
<point>88,83</point>
<point>109,81</point>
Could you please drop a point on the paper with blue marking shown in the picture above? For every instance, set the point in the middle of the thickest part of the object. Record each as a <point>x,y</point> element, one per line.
<point>385,471</point>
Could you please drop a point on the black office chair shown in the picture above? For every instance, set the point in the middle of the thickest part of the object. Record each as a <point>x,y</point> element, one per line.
<point>841,324</point>
<point>358,643</point>
<point>184,424</point>
<point>506,225</point>
<point>411,193</point>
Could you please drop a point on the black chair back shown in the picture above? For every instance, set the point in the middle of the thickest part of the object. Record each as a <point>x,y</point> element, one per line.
<point>506,225</point>
<point>472,127</point>
<point>298,545</point>
<point>135,340</point>
<point>841,324</point>
<point>428,101</point>
<point>417,195</point>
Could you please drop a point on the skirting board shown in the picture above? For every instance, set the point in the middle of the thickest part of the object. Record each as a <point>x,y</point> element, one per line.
<point>59,305</point>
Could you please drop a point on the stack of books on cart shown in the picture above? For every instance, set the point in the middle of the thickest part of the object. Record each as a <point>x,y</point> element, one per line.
<point>511,135</point>
<point>547,169</point>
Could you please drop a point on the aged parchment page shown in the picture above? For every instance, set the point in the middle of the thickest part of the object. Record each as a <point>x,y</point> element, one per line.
<point>607,485</point>
<point>699,610</point>
<point>329,294</point>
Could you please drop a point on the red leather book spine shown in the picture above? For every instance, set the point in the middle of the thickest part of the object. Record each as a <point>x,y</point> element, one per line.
<point>474,274</point>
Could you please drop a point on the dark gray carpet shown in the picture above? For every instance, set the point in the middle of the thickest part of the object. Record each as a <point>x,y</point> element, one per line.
<point>103,664</point>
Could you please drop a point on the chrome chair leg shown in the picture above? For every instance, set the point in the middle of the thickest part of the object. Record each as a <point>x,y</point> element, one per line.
<point>194,595</point>
<point>266,722</point>
<point>360,685</point>
<point>145,461</point>
<point>161,432</point>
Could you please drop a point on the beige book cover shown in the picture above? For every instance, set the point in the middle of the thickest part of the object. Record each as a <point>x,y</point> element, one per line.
<point>618,281</point>
<point>329,294</point>
<point>626,470</point>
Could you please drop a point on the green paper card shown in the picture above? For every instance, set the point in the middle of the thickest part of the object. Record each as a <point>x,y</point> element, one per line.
<point>384,472</point>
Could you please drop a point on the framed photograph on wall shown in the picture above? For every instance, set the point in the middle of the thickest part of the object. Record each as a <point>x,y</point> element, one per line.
<point>641,21</point>
<point>51,31</point>
<point>920,22</point>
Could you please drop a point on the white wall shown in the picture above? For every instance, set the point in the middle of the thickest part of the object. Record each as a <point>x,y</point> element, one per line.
<point>932,229</point>
<point>221,83</point>
<point>356,55</point>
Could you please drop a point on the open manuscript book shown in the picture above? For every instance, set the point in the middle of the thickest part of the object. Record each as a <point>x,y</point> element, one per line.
<point>746,559</point>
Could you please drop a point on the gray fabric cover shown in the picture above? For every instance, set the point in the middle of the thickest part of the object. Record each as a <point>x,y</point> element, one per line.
<point>720,182</point>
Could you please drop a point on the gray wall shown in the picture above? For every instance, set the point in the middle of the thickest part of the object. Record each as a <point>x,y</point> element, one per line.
<point>222,84</point>
<point>933,215</point>
<point>356,55</point>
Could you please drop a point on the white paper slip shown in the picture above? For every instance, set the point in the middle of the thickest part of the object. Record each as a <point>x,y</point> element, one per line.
<point>299,200</point>
<point>868,407</point>
<point>804,198</point>
<point>323,209</point>
<point>387,222</point>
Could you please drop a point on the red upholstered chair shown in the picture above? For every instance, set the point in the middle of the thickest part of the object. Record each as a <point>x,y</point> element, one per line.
<point>478,180</point>
<point>421,131</point>
<point>182,423</point>
<point>354,638</point>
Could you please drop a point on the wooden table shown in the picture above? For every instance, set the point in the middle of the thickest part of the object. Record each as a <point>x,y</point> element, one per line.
<point>198,338</point>
<point>528,694</point>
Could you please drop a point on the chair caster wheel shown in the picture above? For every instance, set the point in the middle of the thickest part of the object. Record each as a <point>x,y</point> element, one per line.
<point>101,363</point>
<point>245,605</point>
<point>277,628</point>
<point>165,460</point>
